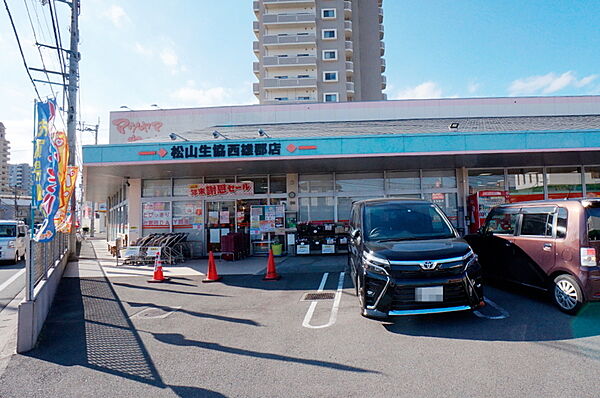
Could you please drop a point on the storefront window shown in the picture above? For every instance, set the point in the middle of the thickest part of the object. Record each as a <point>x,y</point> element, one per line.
<point>403,181</point>
<point>156,188</point>
<point>592,181</point>
<point>564,182</point>
<point>261,184</point>
<point>315,183</point>
<point>486,180</point>
<point>316,209</point>
<point>181,185</point>
<point>371,183</point>
<point>188,217</point>
<point>156,217</point>
<point>278,184</point>
<point>525,184</point>
<point>216,180</point>
<point>433,179</point>
<point>447,202</point>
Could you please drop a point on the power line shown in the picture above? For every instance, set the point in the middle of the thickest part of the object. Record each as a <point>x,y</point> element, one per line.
<point>21,50</point>
<point>38,48</point>
<point>63,69</point>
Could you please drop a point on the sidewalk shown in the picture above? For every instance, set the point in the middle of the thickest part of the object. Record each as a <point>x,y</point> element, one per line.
<point>124,337</point>
<point>87,266</point>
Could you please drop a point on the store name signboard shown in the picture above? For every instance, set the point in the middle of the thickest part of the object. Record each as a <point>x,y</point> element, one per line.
<point>193,151</point>
<point>223,189</point>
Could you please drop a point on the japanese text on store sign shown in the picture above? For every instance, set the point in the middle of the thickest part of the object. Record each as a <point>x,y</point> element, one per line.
<point>229,189</point>
<point>224,150</point>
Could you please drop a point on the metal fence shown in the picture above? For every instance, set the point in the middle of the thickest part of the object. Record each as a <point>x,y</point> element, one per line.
<point>46,255</point>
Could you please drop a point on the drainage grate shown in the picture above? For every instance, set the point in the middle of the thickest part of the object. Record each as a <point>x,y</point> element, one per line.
<point>318,296</point>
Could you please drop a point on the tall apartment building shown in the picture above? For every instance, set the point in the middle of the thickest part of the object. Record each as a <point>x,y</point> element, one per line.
<point>319,51</point>
<point>4,156</point>
<point>19,175</point>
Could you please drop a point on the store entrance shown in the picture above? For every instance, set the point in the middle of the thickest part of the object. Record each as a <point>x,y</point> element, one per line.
<point>220,220</point>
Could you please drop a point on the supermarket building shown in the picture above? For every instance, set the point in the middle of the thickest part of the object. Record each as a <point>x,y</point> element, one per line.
<point>202,170</point>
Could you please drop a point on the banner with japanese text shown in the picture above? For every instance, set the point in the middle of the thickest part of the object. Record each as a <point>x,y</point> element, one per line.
<point>64,217</point>
<point>45,171</point>
<point>224,189</point>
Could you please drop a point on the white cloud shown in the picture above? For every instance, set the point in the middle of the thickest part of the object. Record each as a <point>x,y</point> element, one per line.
<point>117,15</point>
<point>169,57</point>
<point>190,95</point>
<point>472,87</point>
<point>424,90</point>
<point>548,83</point>
<point>141,49</point>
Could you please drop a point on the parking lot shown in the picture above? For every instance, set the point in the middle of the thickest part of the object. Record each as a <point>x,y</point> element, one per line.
<point>246,337</point>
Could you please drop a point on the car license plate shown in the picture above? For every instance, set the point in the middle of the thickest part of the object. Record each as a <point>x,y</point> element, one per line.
<point>429,294</point>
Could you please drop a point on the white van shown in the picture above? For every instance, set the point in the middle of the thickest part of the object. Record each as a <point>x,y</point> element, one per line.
<point>13,240</point>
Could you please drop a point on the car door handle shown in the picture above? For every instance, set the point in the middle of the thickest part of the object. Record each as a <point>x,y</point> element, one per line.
<point>547,246</point>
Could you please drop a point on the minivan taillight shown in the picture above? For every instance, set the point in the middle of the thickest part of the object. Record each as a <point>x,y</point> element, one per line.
<point>588,257</point>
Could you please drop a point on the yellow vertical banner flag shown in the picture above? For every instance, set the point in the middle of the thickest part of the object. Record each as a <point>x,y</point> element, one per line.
<point>62,147</point>
<point>64,215</point>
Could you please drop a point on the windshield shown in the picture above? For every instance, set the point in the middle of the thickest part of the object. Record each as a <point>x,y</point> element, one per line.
<point>8,231</point>
<point>405,221</point>
<point>593,223</point>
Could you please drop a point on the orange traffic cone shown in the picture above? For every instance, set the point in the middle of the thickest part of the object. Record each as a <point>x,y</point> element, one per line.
<point>158,272</point>
<point>271,272</point>
<point>211,275</point>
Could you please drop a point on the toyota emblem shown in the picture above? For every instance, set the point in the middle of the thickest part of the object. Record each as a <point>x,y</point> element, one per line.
<point>428,265</point>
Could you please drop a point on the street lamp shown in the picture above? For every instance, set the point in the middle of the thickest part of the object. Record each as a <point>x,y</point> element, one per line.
<point>216,135</point>
<point>174,136</point>
<point>262,133</point>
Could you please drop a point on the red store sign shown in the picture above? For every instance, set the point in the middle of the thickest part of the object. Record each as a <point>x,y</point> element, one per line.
<point>226,189</point>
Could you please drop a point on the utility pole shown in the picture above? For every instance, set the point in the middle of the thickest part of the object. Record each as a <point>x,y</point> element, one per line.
<point>73,76</point>
<point>16,204</point>
<point>95,130</point>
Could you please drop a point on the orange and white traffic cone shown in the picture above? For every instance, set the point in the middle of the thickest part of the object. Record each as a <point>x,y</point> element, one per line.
<point>271,272</point>
<point>211,275</point>
<point>158,272</point>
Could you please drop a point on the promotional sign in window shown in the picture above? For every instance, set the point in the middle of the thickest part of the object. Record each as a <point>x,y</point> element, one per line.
<point>224,189</point>
<point>264,219</point>
<point>157,215</point>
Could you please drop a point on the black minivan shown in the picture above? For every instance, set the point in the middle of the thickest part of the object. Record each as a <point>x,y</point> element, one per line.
<point>406,258</point>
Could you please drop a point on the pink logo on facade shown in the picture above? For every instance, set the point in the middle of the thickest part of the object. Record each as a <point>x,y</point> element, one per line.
<point>125,126</point>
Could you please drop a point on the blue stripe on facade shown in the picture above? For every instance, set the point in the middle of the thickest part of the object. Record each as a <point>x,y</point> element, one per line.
<point>371,144</point>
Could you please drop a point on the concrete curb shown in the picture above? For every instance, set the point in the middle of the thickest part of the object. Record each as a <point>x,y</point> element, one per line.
<point>8,330</point>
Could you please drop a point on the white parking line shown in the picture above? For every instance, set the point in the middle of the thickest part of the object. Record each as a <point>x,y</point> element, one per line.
<point>334,308</point>
<point>12,279</point>
<point>503,312</point>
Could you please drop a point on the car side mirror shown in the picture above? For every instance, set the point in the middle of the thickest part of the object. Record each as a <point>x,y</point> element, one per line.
<point>355,233</point>
<point>483,231</point>
<point>21,235</point>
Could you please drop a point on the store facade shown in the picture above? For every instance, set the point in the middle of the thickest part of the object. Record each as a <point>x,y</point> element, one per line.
<point>303,183</point>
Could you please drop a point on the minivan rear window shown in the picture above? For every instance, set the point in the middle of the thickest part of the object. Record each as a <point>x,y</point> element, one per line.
<point>8,231</point>
<point>593,222</point>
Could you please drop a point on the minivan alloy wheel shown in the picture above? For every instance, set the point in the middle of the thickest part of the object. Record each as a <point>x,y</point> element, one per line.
<point>567,293</point>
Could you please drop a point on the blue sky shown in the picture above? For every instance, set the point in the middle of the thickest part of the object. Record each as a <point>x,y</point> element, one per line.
<point>185,53</point>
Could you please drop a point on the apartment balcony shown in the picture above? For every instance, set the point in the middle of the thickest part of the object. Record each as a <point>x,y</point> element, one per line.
<point>349,67</point>
<point>256,46</point>
<point>279,40</point>
<point>256,27</point>
<point>349,47</point>
<point>350,87</point>
<point>383,82</point>
<point>270,84</point>
<point>256,7</point>
<point>289,61</point>
<point>381,32</point>
<point>289,19</point>
<point>347,10</point>
<point>256,68</point>
<point>382,65</point>
<point>380,15</point>
<point>290,101</point>
<point>348,29</point>
<point>382,47</point>
<point>290,3</point>
<point>256,88</point>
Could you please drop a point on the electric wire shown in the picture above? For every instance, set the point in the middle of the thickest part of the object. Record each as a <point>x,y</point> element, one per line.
<point>38,48</point>
<point>58,48</point>
<point>21,50</point>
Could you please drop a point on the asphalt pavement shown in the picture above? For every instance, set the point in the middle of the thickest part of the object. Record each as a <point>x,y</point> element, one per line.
<point>245,337</point>
<point>12,281</point>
